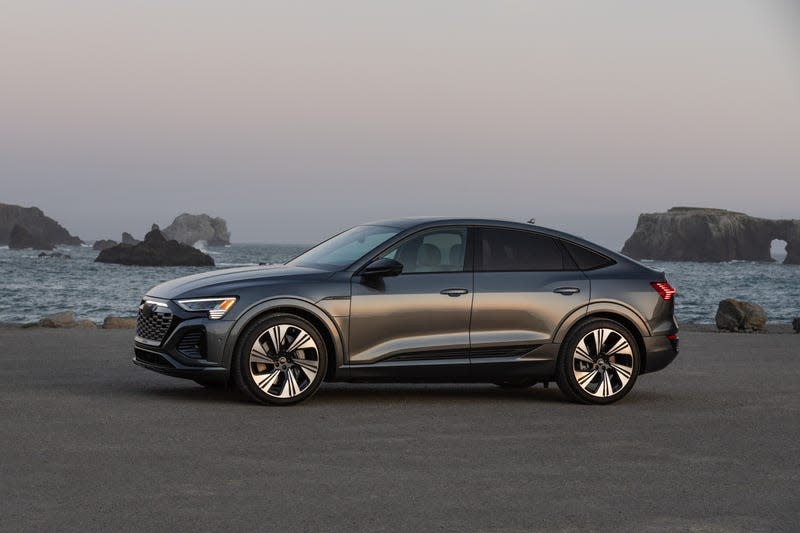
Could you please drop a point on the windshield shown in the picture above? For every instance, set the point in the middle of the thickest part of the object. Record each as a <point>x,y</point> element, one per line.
<point>345,248</point>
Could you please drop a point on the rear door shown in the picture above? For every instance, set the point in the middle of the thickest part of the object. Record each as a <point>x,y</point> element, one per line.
<point>525,284</point>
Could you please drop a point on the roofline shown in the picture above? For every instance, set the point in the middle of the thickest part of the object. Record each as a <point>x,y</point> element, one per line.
<point>408,223</point>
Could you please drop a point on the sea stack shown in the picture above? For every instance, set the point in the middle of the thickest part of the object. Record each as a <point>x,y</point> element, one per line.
<point>190,229</point>
<point>710,235</point>
<point>155,250</point>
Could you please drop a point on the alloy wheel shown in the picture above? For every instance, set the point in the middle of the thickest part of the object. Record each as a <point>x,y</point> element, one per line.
<point>602,362</point>
<point>284,361</point>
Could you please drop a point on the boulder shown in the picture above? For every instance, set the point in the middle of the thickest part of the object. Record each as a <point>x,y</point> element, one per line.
<point>21,239</point>
<point>86,324</point>
<point>102,244</point>
<point>737,315</point>
<point>796,325</point>
<point>119,322</point>
<point>127,238</point>
<point>65,319</point>
<point>55,255</point>
<point>155,250</point>
<point>35,222</point>
<point>190,229</point>
<point>710,235</point>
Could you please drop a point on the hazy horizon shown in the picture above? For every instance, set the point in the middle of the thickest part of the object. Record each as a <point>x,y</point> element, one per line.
<point>295,121</point>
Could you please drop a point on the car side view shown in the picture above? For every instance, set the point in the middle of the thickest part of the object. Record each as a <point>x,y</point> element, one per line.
<point>418,300</point>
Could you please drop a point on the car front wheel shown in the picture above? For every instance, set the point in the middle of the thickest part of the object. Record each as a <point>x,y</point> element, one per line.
<point>280,360</point>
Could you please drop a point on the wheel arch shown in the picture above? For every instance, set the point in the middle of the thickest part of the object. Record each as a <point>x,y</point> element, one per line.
<point>301,308</point>
<point>611,311</point>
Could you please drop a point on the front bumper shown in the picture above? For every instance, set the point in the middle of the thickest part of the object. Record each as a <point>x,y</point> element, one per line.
<point>191,348</point>
<point>660,351</point>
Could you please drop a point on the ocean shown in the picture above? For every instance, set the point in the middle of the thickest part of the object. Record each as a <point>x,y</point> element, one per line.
<point>32,287</point>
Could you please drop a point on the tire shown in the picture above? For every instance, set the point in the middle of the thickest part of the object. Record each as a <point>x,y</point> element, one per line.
<point>525,383</point>
<point>585,376</point>
<point>280,360</point>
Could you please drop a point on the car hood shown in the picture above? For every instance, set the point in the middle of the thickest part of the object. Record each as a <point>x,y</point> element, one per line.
<point>230,280</point>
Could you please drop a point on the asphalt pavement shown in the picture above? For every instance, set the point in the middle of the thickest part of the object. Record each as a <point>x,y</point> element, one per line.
<point>91,443</point>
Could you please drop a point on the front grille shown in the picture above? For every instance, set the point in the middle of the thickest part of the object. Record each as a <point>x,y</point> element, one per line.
<point>193,344</point>
<point>151,324</point>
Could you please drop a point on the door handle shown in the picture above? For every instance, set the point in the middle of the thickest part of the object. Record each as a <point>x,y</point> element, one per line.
<point>454,292</point>
<point>567,291</point>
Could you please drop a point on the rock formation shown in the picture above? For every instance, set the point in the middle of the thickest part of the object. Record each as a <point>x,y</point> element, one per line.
<point>21,238</point>
<point>710,235</point>
<point>102,244</point>
<point>736,315</point>
<point>155,250</point>
<point>55,255</point>
<point>119,322</point>
<point>35,222</point>
<point>127,238</point>
<point>189,229</point>
<point>65,319</point>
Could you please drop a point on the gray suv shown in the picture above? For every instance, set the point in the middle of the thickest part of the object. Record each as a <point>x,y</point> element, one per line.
<point>434,299</point>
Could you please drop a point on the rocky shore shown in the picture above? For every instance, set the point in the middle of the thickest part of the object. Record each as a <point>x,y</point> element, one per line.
<point>67,320</point>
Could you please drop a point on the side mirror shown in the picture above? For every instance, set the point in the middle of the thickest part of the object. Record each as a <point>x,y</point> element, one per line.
<point>383,267</point>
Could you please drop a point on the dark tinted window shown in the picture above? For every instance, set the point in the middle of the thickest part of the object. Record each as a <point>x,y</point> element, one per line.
<point>504,250</point>
<point>586,259</point>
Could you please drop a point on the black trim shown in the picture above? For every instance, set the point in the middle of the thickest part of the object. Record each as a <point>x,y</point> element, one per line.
<point>461,353</point>
<point>502,351</point>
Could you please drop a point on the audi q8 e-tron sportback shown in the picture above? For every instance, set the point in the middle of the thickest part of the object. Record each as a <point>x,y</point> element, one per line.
<point>413,300</point>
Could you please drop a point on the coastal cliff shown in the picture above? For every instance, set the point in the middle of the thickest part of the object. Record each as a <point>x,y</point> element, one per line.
<point>710,235</point>
<point>189,229</point>
<point>34,222</point>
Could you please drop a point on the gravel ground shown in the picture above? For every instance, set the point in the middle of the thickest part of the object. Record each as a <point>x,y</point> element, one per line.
<point>90,442</point>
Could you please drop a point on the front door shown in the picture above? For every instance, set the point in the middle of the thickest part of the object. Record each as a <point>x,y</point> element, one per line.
<point>416,324</point>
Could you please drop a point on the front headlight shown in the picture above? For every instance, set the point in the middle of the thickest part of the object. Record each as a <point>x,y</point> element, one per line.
<point>216,307</point>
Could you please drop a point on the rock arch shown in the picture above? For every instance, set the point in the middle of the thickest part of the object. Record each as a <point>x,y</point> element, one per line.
<point>710,235</point>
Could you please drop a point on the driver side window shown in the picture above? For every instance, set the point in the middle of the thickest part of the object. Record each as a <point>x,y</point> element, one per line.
<point>439,250</point>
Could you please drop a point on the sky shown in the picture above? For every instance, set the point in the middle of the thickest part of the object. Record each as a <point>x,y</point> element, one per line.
<point>294,120</point>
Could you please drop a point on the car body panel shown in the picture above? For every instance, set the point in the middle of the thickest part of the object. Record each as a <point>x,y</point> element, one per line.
<point>407,317</point>
<point>521,308</point>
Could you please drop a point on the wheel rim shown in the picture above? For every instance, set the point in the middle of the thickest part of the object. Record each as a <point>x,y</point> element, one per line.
<point>602,362</point>
<point>284,361</point>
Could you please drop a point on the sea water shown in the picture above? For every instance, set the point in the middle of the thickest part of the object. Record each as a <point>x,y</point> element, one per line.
<point>32,287</point>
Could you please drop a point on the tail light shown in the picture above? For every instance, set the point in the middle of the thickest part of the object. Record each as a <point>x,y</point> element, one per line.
<point>664,289</point>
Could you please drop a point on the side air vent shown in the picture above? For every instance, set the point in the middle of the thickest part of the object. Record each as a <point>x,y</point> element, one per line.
<point>193,344</point>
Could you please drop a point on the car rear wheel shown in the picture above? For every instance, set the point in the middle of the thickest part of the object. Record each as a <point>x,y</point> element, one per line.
<point>598,363</point>
<point>280,360</point>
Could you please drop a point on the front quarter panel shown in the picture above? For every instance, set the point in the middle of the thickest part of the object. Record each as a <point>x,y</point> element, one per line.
<point>286,302</point>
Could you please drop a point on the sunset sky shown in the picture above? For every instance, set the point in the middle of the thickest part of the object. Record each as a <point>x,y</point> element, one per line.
<point>293,120</point>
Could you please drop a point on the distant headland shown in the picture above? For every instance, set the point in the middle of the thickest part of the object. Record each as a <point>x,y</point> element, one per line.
<point>710,235</point>
<point>28,227</point>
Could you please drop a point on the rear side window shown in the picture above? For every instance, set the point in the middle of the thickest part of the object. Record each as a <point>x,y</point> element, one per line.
<point>586,259</point>
<point>516,250</point>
